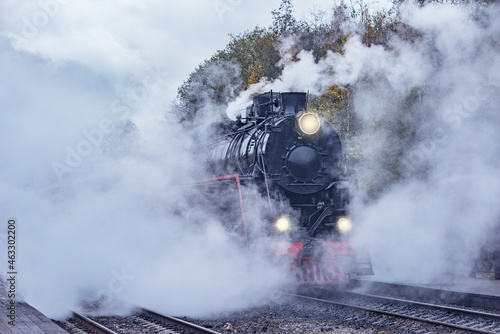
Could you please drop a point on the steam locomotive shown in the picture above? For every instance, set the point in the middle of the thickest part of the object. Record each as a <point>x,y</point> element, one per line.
<point>295,158</point>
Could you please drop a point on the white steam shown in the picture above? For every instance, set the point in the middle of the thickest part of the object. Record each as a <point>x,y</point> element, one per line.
<point>96,178</point>
<point>437,218</point>
<point>111,223</point>
<point>303,75</point>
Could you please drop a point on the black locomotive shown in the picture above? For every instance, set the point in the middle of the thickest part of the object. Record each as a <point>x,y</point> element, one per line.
<point>295,158</point>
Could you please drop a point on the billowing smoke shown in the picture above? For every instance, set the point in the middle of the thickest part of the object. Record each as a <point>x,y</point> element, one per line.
<point>102,205</point>
<point>303,75</point>
<point>429,106</point>
<point>100,183</point>
<point>435,103</point>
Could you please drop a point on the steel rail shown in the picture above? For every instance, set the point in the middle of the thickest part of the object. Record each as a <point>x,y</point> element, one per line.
<point>485,315</point>
<point>91,325</point>
<point>466,326</point>
<point>178,322</point>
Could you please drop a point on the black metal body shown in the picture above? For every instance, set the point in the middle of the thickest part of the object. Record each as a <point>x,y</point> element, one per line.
<point>268,148</point>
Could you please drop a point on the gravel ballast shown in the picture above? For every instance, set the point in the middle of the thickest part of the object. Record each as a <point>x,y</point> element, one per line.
<point>289,315</point>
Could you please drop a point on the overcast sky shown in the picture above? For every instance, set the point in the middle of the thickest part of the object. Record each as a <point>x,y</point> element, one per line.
<point>119,39</point>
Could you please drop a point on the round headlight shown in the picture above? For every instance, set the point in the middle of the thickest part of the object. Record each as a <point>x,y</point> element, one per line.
<point>344,224</point>
<point>283,224</point>
<point>309,123</point>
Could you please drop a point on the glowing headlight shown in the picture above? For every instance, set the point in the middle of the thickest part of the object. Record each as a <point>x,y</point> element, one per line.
<point>309,123</point>
<point>283,224</point>
<point>344,224</point>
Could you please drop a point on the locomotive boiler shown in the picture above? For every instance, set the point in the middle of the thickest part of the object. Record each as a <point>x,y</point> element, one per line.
<point>295,158</point>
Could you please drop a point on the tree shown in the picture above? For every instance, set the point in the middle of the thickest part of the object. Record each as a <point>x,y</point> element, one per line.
<point>284,22</point>
<point>246,59</point>
<point>212,85</point>
<point>256,54</point>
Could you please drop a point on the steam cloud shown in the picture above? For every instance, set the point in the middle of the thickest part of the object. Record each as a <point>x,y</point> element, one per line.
<point>114,224</point>
<point>436,219</point>
<point>98,180</point>
<point>442,88</point>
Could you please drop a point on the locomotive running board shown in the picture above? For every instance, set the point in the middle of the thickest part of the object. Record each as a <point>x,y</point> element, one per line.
<point>363,265</point>
<point>364,269</point>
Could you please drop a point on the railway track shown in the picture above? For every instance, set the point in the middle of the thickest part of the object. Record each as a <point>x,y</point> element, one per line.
<point>80,324</point>
<point>178,322</point>
<point>144,321</point>
<point>456,318</point>
<point>469,298</point>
